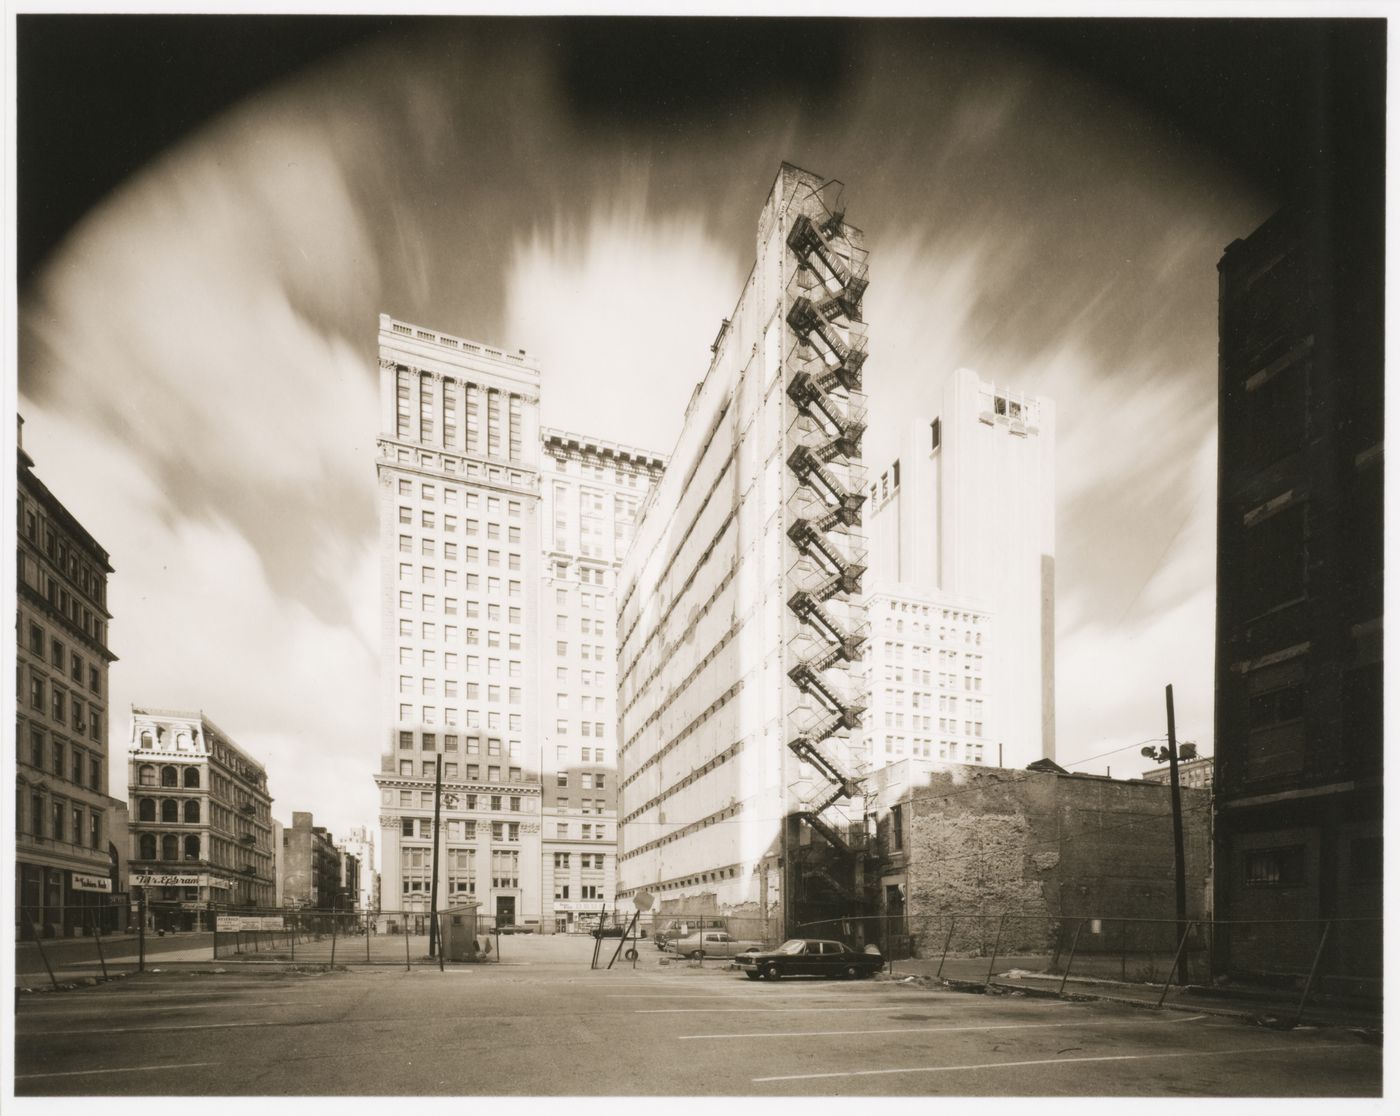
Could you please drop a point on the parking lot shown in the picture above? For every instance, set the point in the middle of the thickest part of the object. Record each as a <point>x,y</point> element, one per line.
<point>542,1023</point>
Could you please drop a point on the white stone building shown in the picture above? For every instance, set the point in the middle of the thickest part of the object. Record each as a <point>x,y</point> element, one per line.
<point>963,517</point>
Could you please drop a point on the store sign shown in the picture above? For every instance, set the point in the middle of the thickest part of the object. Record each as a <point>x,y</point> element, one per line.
<point>83,882</point>
<point>150,879</point>
<point>570,905</point>
<point>215,881</point>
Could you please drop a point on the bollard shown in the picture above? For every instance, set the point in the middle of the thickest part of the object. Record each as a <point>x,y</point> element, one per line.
<point>1074,945</point>
<point>996,946</point>
<point>952,921</point>
<point>97,933</point>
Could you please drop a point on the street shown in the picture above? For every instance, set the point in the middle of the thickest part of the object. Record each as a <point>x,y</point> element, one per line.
<point>542,1023</point>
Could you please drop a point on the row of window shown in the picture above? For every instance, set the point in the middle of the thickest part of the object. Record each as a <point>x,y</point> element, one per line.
<point>60,705</point>
<point>61,658</point>
<point>428,602</point>
<point>585,891</point>
<point>69,605</point>
<point>428,492</point>
<point>35,525</point>
<point>588,861</point>
<point>586,805</point>
<point>57,819</point>
<point>452,717</point>
<point>452,688</point>
<point>616,475</point>
<point>186,810</point>
<point>970,752</point>
<point>64,760</point>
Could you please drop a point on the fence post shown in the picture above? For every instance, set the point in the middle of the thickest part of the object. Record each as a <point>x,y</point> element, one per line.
<point>335,925</point>
<point>992,967</point>
<point>952,921</point>
<point>1317,960</point>
<point>442,965</point>
<point>97,933</point>
<point>408,959</point>
<point>44,957</point>
<point>1175,961</point>
<point>367,918</point>
<point>1074,945</point>
<point>141,934</point>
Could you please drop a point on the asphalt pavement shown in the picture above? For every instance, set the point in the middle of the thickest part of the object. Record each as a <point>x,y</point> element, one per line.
<point>541,1023</point>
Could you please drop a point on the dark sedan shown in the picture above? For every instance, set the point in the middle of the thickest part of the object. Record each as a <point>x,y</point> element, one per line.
<point>810,957</point>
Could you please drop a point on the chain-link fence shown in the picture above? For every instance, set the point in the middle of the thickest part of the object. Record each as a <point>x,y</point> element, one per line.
<point>707,939</point>
<point>1338,956</point>
<point>350,938</point>
<point>74,942</point>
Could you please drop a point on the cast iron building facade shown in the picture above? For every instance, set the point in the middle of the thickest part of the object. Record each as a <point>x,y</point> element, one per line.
<point>64,859</point>
<point>739,695</point>
<point>201,820</point>
<point>1298,742</point>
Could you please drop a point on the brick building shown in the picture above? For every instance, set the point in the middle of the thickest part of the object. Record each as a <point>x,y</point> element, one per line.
<point>1299,581</point>
<point>311,865</point>
<point>1047,845</point>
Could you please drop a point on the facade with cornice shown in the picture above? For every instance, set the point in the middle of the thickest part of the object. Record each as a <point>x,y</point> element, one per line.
<point>472,644</point>
<point>201,829</point>
<point>65,823</point>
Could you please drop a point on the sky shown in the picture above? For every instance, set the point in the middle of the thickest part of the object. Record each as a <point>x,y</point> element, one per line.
<point>198,306</point>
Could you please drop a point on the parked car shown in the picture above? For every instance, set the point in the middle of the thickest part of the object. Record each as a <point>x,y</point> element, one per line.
<point>811,957</point>
<point>680,927</point>
<point>614,931</point>
<point>713,943</point>
<point>516,928</point>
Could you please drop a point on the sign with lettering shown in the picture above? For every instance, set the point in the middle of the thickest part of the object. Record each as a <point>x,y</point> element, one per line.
<point>216,881</point>
<point>84,882</point>
<point>228,924</point>
<point>172,879</point>
<point>270,922</point>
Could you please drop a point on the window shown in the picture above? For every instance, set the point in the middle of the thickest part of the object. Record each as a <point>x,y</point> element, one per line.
<point>407,824</point>
<point>1281,867</point>
<point>561,779</point>
<point>936,434</point>
<point>897,827</point>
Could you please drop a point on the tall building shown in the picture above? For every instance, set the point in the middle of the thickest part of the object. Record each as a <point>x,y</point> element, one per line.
<point>926,678</point>
<point>1299,579</point>
<point>360,845</point>
<point>591,491</point>
<point>965,513</point>
<point>740,627</point>
<point>65,859</point>
<point>311,865</point>
<point>201,820</point>
<point>500,634</point>
<point>458,468</point>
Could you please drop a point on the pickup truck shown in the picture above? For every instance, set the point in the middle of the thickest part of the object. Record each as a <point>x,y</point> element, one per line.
<point>712,943</point>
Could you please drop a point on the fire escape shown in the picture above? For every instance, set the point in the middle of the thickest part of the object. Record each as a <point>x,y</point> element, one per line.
<point>824,382</point>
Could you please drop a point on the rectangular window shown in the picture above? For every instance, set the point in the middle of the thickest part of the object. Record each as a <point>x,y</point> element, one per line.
<point>1281,867</point>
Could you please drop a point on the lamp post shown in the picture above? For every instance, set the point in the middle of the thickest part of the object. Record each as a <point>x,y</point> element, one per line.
<point>1170,754</point>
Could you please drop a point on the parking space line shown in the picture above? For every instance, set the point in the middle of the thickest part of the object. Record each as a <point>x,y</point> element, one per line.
<point>123,1069</point>
<point>899,1030</point>
<point>132,1009</point>
<point>1296,1049</point>
<point>128,1030</point>
<point>743,1011</point>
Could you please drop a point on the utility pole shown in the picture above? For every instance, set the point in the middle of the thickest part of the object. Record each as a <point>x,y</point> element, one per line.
<point>1169,755</point>
<point>437,814</point>
<point>1177,837</point>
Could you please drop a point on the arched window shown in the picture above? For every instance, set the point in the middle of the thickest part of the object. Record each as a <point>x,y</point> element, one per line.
<point>192,810</point>
<point>191,847</point>
<point>191,776</point>
<point>147,741</point>
<point>148,844</point>
<point>169,777</point>
<point>170,847</point>
<point>146,775</point>
<point>182,741</point>
<point>147,809</point>
<point>169,810</point>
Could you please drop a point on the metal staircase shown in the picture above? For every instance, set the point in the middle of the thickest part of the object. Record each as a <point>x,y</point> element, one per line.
<point>824,383</point>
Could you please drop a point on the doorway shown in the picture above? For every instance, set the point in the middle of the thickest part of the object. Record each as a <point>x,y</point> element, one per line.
<point>505,910</point>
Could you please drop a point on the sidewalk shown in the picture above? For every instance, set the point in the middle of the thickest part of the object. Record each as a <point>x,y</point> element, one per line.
<point>1028,975</point>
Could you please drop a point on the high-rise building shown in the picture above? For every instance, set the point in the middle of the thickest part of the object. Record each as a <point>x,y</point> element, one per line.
<point>740,627</point>
<point>964,516</point>
<point>201,820</point>
<point>360,845</point>
<point>458,469</point>
<point>65,859</point>
<point>500,635</point>
<point>1299,591</point>
<point>591,491</point>
<point>926,678</point>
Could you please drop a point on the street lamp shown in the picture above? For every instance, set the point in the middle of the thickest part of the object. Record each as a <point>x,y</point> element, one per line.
<point>1169,753</point>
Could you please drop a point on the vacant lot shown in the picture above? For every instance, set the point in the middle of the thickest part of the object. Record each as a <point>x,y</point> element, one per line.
<point>542,1023</point>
